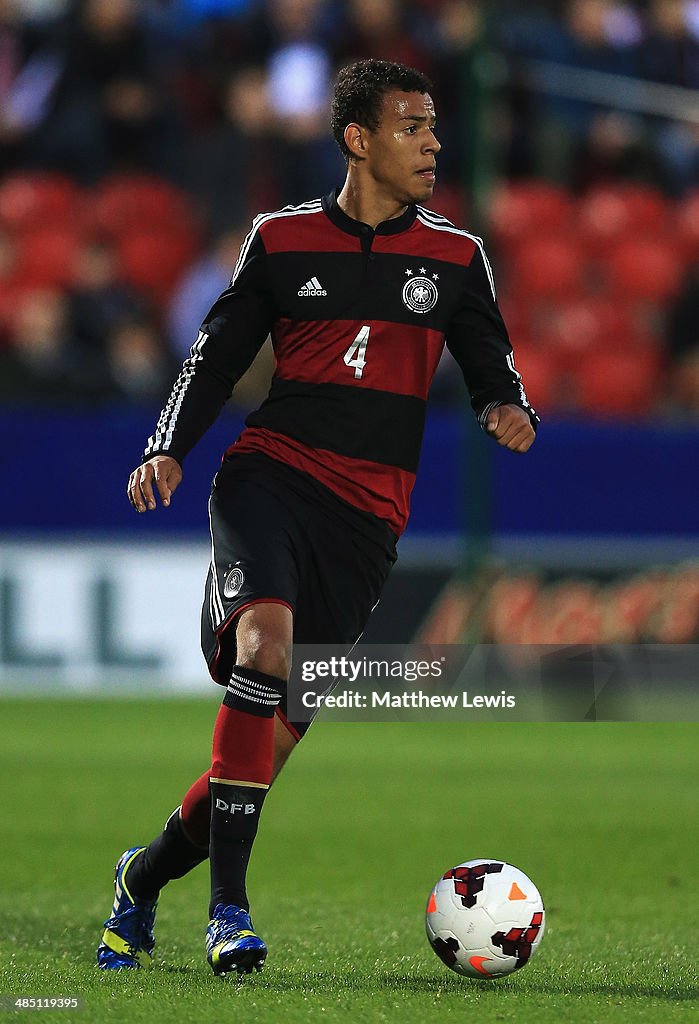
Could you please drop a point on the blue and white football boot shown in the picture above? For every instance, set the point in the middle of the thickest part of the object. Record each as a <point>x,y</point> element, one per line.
<point>128,939</point>
<point>231,943</point>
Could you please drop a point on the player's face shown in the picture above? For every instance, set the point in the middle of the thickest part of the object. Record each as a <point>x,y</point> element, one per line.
<point>403,150</point>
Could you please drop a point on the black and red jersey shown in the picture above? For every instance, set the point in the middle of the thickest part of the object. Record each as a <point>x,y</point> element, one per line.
<point>358,318</point>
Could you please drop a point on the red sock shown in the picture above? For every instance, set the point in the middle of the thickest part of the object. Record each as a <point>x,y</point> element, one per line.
<point>243,747</point>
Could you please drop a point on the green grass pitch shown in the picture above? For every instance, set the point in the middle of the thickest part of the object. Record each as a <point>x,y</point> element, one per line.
<point>355,832</point>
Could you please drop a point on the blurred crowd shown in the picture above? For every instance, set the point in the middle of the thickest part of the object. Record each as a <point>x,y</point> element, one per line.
<point>658,605</point>
<point>138,137</point>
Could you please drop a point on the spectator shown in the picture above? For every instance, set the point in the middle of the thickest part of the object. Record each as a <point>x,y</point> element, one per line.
<point>29,71</point>
<point>43,364</point>
<point>670,55</point>
<point>588,38</point>
<point>233,167</point>
<point>199,288</point>
<point>98,300</point>
<point>109,112</point>
<point>682,345</point>
<point>300,69</point>
<point>138,368</point>
<point>382,29</point>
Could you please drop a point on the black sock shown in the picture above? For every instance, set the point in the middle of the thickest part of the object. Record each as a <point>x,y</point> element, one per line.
<point>235,814</point>
<point>171,855</point>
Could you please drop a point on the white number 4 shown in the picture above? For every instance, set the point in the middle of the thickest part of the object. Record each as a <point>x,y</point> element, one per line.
<point>356,354</point>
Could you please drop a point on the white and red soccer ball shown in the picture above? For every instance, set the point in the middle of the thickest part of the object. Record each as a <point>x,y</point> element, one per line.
<point>485,918</point>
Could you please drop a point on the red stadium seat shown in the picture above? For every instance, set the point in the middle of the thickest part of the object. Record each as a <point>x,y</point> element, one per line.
<point>570,331</point>
<point>644,268</point>
<point>610,213</point>
<point>153,261</point>
<point>547,267</point>
<point>46,257</point>
<point>127,202</point>
<point>523,209</point>
<point>619,384</point>
<point>29,201</point>
<point>686,227</point>
<point>517,313</point>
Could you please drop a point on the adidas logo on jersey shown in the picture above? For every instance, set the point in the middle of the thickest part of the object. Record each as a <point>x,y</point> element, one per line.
<point>312,287</point>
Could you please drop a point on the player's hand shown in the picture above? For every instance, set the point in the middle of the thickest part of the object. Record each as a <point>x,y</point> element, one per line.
<point>511,427</point>
<point>163,471</point>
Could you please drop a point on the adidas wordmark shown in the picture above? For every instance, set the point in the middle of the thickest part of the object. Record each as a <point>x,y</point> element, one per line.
<point>312,287</point>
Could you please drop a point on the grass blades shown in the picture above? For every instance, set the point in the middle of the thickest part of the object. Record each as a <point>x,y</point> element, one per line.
<point>360,825</point>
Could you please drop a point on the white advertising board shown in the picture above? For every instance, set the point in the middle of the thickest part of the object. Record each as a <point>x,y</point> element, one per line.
<point>114,617</point>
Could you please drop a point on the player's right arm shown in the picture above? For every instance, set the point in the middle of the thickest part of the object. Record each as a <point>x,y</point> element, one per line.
<point>229,339</point>
<point>162,472</point>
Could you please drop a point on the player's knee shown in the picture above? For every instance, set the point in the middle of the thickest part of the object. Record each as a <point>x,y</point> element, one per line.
<point>271,656</point>
<point>264,640</point>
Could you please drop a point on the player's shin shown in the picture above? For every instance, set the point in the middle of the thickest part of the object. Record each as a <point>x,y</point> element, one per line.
<point>241,773</point>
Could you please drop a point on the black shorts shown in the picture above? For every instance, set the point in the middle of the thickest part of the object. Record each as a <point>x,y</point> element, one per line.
<point>279,536</point>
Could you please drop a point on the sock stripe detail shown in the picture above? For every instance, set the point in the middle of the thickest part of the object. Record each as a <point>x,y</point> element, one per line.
<point>239,782</point>
<point>238,691</point>
<point>253,691</point>
<point>261,688</point>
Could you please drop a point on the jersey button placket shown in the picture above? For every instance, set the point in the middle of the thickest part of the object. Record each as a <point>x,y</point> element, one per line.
<point>367,240</point>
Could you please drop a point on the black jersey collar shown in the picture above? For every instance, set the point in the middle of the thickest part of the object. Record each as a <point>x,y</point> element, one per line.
<point>356,227</point>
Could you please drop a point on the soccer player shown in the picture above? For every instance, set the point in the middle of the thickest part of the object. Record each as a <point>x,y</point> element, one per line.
<point>360,290</point>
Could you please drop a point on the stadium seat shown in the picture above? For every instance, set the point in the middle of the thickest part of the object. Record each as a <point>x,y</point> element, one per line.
<point>127,202</point>
<point>631,603</point>
<point>522,209</point>
<point>509,605</point>
<point>12,295</point>
<point>574,613</point>
<point>547,267</point>
<point>645,268</point>
<point>29,201</point>
<point>619,384</point>
<point>686,225</point>
<point>46,257</point>
<point>153,261</point>
<point>608,214</point>
<point>571,331</point>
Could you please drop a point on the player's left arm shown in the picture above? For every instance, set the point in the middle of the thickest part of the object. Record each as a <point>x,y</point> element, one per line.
<point>478,340</point>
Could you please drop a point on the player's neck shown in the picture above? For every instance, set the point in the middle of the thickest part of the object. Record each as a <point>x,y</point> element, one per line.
<point>367,204</point>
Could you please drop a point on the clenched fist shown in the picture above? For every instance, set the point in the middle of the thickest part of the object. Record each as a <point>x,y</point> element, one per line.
<point>511,427</point>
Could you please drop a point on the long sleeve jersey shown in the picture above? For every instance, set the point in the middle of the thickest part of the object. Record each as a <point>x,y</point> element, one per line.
<point>358,318</point>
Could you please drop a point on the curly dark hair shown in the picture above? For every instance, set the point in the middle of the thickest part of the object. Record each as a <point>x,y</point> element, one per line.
<point>359,93</point>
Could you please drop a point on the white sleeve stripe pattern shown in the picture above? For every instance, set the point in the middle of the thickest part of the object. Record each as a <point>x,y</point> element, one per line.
<point>518,377</point>
<point>162,438</point>
<point>312,206</point>
<point>439,223</point>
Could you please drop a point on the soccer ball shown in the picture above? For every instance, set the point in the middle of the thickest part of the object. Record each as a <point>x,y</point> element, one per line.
<point>485,918</point>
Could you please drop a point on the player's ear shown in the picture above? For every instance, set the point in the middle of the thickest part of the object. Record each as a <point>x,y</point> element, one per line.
<point>356,140</point>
